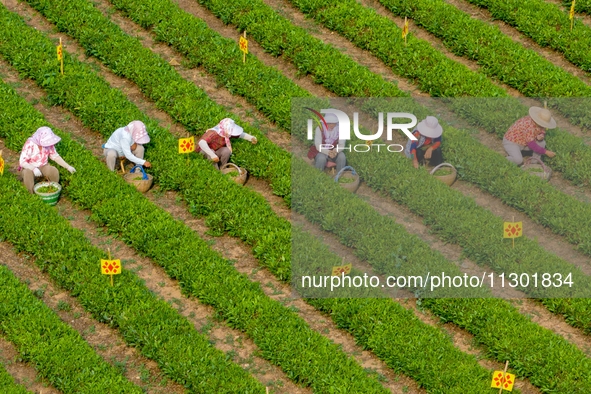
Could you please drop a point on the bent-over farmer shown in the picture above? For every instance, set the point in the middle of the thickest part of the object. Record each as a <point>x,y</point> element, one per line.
<point>215,143</point>
<point>34,157</point>
<point>528,134</point>
<point>127,142</point>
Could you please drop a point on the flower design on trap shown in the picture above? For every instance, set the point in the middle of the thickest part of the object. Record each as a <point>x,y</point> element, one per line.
<point>341,269</point>
<point>506,382</point>
<point>110,267</point>
<point>186,145</point>
<point>243,44</point>
<point>512,230</point>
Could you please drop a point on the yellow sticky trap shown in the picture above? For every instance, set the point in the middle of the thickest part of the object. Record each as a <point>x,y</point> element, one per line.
<point>60,53</point>
<point>1,164</point>
<point>505,382</point>
<point>512,229</point>
<point>243,45</point>
<point>110,267</point>
<point>405,28</point>
<point>187,145</point>
<point>342,269</point>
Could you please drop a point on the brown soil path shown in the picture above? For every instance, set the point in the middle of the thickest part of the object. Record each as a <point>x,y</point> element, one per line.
<point>261,182</point>
<point>64,120</point>
<point>22,373</point>
<point>554,57</point>
<point>105,341</point>
<point>586,19</point>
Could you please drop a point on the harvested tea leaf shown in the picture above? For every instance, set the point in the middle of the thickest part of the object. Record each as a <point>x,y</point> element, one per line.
<point>346,180</point>
<point>443,172</point>
<point>47,189</point>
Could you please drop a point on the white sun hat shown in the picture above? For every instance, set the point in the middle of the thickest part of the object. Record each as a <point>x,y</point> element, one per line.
<point>542,117</point>
<point>331,118</point>
<point>430,127</point>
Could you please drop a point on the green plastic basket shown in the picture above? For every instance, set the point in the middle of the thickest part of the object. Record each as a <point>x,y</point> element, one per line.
<point>48,198</point>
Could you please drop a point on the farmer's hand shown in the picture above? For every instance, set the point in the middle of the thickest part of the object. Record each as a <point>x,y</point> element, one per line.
<point>254,140</point>
<point>332,153</point>
<point>428,153</point>
<point>415,162</point>
<point>549,153</point>
<point>37,172</point>
<point>215,159</point>
<point>147,164</point>
<point>71,169</point>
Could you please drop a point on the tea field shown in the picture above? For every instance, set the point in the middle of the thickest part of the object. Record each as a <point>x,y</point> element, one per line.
<point>204,302</point>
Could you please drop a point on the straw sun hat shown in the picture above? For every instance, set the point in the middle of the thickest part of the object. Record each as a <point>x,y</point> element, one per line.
<point>430,127</point>
<point>542,117</point>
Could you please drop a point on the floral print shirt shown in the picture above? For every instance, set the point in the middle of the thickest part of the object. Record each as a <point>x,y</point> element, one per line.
<point>32,157</point>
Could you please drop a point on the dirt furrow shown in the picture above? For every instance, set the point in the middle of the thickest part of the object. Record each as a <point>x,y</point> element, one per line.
<point>277,203</point>
<point>412,223</point>
<point>244,261</point>
<point>235,104</point>
<point>138,98</point>
<point>105,341</point>
<point>23,373</point>
<point>227,31</point>
<point>554,57</point>
<point>586,19</point>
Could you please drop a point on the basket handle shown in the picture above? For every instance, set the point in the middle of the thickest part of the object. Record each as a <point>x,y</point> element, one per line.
<point>144,175</point>
<point>442,165</point>
<point>529,159</point>
<point>336,178</point>
<point>232,165</point>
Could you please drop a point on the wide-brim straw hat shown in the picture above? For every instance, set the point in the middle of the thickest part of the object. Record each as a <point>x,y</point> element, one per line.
<point>430,127</point>
<point>542,117</point>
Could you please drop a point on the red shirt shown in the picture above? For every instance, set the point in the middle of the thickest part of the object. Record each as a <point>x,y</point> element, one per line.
<point>213,140</point>
<point>524,131</point>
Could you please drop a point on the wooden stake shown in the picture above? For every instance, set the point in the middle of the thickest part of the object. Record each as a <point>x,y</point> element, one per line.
<point>513,239</point>
<point>109,251</point>
<point>122,169</point>
<point>504,372</point>
<point>571,15</point>
<point>267,390</point>
<point>62,59</point>
<point>406,31</point>
<point>244,53</point>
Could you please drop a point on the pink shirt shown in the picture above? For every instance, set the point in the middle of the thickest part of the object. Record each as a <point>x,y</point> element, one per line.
<point>32,157</point>
<point>524,131</point>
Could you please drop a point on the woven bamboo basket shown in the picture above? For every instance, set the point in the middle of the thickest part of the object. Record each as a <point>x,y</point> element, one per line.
<point>348,173</point>
<point>242,173</point>
<point>536,167</point>
<point>143,184</point>
<point>448,179</point>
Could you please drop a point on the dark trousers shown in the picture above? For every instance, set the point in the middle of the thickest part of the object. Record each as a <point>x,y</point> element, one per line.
<point>436,157</point>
